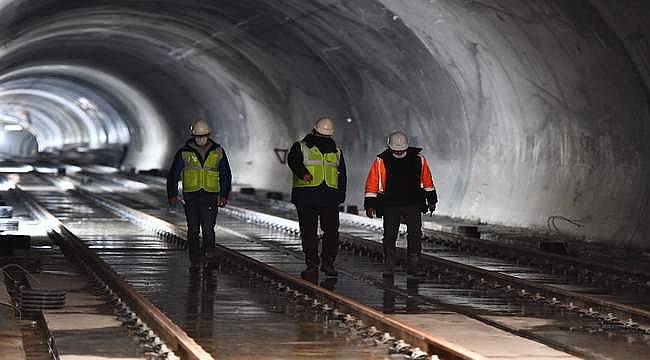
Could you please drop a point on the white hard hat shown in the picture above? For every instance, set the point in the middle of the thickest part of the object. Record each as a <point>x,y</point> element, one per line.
<point>398,141</point>
<point>324,126</point>
<point>200,127</point>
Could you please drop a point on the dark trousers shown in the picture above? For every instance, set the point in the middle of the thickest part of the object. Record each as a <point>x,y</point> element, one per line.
<point>201,213</point>
<point>329,223</point>
<point>413,219</point>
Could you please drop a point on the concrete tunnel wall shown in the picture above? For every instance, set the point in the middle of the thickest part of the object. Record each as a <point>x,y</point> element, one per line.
<point>525,109</point>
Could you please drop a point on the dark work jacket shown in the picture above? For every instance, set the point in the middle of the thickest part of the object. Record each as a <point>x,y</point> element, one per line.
<point>176,169</point>
<point>322,195</point>
<point>403,178</point>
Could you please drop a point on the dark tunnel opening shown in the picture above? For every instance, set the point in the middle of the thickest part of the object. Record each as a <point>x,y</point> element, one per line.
<point>526,110</point>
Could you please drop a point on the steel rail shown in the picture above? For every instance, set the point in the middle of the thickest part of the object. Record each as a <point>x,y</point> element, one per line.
<point>585,268</point>
<point>587,305</point>
<point>605,310</point>
<point>608,311</point>
<point>173,336</point>
<point>371,317</point>
<point>535,257</point>
<point>585,271</point>
<point>616,274</point>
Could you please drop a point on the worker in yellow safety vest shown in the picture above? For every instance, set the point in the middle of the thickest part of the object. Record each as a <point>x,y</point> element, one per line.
<point>319,185</point>
<point>203,167</point>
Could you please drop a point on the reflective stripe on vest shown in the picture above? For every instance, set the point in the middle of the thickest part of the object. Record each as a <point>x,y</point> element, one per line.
<point>197,177</point>
<point>322,167</point>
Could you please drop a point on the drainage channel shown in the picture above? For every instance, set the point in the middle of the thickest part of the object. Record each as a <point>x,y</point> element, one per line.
<point>151,277</point>
<point>564,328</point>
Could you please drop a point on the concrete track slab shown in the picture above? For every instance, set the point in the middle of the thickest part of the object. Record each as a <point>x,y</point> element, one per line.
<point>481,338</point>
<point>85,328</point>
<point>11,339</point>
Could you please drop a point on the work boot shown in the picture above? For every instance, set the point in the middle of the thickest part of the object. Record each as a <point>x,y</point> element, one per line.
<point>311,272</point>
<point>329,270</point>
<point>412,266</point>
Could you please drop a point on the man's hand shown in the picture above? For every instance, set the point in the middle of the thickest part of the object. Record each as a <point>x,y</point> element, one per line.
<point>173,201</point>
<point>432,200</point>
<point>370,212</point>
<point>222,201</point>
<point>308,178</point>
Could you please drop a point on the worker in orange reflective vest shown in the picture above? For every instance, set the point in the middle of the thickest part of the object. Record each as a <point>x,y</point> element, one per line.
<point>400,186</point>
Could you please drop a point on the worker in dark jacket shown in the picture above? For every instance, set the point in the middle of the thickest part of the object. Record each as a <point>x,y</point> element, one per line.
<point>319,184</point>
<point>203,167</point>
<point>400,185</point>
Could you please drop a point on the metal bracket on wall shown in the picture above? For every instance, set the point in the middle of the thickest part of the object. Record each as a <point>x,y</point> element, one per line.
<point>281,154</point>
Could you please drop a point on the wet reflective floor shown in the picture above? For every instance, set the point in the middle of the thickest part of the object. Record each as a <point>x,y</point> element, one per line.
<point>223,305</point>
<point>506,267</point>
<point>360,280</point>
<point>283,251</point>
<point>563,330</point>
<point>232,315</point>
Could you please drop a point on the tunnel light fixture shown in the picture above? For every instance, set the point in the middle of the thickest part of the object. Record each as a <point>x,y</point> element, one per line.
<point>13,127</point>
<point>45,170</point>
<point>9,182</point>
<point>71,169</point>
<point>134,185</point>
<point>101,169</point>
<point>64,184</point>
<point>16,169</point>
<point>85,104</point>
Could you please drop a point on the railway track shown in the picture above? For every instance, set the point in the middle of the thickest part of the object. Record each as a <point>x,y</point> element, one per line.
<point>625,282</point>
<point>556,292</point>
<point>559,280</point>
<point>146,298</point>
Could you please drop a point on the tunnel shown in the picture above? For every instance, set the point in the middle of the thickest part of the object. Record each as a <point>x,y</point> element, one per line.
<point>526,110</point>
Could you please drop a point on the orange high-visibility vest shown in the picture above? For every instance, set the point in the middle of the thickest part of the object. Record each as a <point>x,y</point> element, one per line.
<point>376,181</point>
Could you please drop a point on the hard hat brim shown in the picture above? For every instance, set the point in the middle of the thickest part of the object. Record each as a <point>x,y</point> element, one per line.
<point>324,131</point>
<point>398,147</point>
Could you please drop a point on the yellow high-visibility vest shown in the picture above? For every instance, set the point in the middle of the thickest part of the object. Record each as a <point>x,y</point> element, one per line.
<point>322,167</point>
<point>206,177</point>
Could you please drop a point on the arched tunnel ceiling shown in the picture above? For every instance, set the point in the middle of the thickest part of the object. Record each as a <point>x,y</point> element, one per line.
<point>525,109</point>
